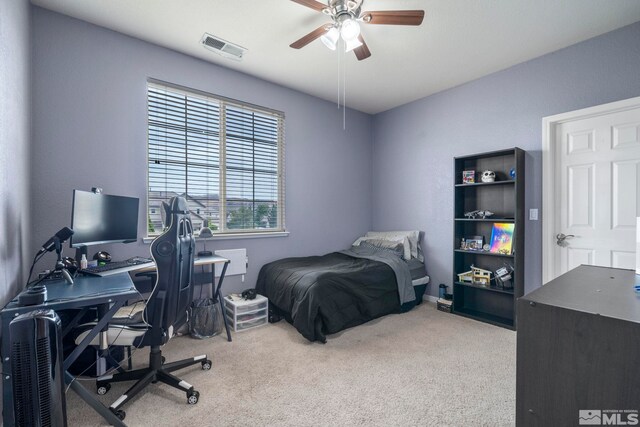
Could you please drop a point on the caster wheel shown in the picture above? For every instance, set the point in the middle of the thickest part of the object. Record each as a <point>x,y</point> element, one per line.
<point>120,414</point>
<point>206,365</point>
<point>192,397</point>
<point>103,389</point>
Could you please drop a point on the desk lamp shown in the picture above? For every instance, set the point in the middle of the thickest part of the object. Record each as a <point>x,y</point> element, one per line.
<point>205,232</point>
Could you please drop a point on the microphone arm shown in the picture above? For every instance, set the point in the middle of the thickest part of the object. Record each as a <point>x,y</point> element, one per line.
<point>59,264</point>
<point>57,239</point>
<point>58,246</point>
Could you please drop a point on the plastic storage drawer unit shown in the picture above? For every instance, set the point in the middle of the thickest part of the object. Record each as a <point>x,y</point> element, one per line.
<point>246,314</point>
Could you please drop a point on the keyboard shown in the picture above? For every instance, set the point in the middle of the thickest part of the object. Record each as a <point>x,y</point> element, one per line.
<point>116,267</point>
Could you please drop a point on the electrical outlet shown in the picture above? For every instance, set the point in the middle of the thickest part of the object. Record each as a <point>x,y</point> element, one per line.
<point>533,214</point>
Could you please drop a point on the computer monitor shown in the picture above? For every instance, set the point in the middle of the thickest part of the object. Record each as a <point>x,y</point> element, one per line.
<point>101,218</point>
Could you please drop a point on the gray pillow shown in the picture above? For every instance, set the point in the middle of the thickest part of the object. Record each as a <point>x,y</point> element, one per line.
<point>395,248</point>
<point>403,240</point>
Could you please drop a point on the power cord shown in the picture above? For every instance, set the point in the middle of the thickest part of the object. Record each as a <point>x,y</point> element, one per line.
<point>36,258</point>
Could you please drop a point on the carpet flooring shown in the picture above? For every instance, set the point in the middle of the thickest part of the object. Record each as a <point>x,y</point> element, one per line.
<point>422,368</point>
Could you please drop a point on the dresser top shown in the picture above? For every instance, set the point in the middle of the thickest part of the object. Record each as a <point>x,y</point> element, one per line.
<point>597,290</point>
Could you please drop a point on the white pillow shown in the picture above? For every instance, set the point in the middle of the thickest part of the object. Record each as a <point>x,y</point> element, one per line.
<point>412,236</point>
<point>396,239</point>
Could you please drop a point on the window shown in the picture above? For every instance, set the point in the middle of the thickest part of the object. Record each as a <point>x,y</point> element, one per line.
<point>224,156</point>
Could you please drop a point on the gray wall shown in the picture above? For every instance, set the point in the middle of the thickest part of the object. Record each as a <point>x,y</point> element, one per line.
<point>15,141</point>
<point>15,98</point>
<point>414,144</point>
<point>90,130</point>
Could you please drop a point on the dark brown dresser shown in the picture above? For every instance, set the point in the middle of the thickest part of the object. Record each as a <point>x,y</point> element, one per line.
<point>578,354</point>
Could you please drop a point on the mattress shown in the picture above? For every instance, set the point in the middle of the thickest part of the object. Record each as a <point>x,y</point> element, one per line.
<point>418,273</point>
<point>419,280</point>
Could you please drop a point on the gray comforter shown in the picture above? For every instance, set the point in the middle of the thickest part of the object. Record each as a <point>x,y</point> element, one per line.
<point>399,266</point>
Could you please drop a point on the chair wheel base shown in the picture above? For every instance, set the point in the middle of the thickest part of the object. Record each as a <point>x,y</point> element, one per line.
<point>119,413</point>
<point>103,389</point>
<point>193,397</point>
<point>206,365</point>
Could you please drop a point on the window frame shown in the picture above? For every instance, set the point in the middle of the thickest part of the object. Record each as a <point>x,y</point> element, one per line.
<point>224,233</point>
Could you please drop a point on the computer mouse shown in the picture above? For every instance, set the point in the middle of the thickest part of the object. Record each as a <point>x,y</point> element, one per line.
<point>102,256</point>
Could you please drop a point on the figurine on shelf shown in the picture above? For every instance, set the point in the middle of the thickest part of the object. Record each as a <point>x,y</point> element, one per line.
<point>471,214</point>
<point>488,176</point>
<point>504,277</point>
<point>478,214</point>
<point>480,276</point>
<point>466,277</point>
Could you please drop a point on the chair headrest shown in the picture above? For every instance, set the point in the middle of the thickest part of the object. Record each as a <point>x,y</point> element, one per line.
<point>165,213</point>
<point>179,205</point>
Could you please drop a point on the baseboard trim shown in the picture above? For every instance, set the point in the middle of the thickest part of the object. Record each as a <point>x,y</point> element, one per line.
<point>429,298</point>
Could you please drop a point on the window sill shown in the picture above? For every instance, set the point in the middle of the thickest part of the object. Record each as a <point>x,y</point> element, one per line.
<point>232,236</point>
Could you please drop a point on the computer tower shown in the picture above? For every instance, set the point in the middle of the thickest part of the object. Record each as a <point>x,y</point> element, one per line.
<point>37,370</point>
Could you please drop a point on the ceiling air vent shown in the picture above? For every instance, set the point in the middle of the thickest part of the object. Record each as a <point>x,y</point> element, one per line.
<point>223,47</point>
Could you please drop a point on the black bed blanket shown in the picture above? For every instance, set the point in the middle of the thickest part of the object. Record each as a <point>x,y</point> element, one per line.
<point>326,294</point>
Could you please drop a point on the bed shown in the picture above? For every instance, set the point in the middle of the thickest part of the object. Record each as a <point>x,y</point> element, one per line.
<point>321,295</point>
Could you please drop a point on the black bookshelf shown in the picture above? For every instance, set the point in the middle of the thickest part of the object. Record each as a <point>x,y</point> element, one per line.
<point>505,198</point>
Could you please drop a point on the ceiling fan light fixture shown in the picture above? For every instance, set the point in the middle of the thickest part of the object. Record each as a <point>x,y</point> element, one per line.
<point>330,38</point>
<point>349,30</point>
<point>352,44</point>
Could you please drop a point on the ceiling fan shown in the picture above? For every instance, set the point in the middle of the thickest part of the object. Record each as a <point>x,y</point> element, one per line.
<point>346,16</point>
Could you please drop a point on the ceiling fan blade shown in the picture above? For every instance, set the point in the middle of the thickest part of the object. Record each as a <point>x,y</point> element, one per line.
<point>394,17</point>
<point>362,52</point>
<point>312,4</point>
<point>302,42</point>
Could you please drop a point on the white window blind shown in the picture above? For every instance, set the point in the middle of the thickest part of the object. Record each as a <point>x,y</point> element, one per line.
<point>224,156</point>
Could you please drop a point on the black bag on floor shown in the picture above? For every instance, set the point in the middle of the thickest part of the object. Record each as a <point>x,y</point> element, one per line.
<point>206,318</point>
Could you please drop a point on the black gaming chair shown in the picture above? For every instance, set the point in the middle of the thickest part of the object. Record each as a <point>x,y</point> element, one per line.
<point>165,311</point>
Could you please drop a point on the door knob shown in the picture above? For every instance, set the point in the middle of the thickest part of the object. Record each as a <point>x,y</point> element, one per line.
<point>561,239</point>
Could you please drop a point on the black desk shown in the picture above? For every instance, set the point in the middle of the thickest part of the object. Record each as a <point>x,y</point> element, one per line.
<point>108,294</point>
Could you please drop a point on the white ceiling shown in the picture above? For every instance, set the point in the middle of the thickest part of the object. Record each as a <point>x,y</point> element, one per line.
<point>459,40</point>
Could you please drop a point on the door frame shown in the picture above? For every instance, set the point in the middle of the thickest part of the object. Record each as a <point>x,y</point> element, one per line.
<point>549,184</point>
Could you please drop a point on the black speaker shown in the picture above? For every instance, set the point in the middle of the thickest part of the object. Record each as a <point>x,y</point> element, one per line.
<point>37,375</point>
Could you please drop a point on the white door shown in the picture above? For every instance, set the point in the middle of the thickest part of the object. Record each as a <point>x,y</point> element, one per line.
<point>597,191</point>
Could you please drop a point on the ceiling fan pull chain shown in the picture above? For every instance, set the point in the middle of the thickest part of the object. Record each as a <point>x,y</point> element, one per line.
<point>339,72</point>
<point>344,91</point>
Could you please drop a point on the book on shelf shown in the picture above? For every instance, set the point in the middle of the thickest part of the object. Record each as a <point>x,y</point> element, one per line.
<point>502,238</point>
